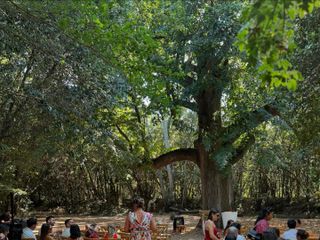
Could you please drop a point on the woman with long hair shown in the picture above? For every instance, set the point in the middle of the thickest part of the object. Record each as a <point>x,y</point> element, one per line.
<point>75,233</point>
<point>262,222</point>
<point>45,231</point>
<point>225,231</point>
<point>211,231</point>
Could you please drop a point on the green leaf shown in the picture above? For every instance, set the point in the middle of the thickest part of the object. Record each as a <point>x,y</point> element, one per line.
<point>292,84</point>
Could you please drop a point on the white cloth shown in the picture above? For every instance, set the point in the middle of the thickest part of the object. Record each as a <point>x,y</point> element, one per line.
<point>28,233</point>
<point>65,233</point>
<point>290,234</point>
<point>240,237</point>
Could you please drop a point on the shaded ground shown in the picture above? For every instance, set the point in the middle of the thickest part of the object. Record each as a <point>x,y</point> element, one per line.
<point>311,225</point>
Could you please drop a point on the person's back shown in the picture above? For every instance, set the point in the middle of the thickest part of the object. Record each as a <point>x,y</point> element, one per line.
<point>138,222</point>
<point>269,235</point>
<point>27,232</point>
<point>291,233</point>
<point>45,231</point>
<point>140,227</point>
<point>65,233</point>
<point>232,233</point>
<point>75,233</point>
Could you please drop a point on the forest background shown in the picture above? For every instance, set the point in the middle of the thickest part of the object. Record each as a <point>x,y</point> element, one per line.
<point>104,100</point>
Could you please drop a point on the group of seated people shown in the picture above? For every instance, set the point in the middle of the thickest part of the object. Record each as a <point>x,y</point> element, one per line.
<point>71,230</point>
<point>45,230</point>
<point>261,229</point>
<point>138,224</point>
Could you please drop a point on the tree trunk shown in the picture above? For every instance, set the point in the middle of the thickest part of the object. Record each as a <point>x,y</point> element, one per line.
<point>171,183</point>
<point>216,187</point>
<point>170,189</point>
<point>184,188</point>
<point>162,184</point>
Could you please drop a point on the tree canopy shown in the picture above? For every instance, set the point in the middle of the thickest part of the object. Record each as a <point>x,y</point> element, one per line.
<point>97,95</point>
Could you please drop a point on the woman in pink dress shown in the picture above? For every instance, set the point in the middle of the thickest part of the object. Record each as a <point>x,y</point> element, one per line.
<point>262,222</point>
<point>138,222</point>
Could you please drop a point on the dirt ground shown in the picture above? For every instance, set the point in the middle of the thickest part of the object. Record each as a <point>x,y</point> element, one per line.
<point>191,233</point>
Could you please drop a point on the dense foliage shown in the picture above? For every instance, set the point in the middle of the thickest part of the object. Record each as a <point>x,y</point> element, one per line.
<point>268,38</point>
<point>93,91</point>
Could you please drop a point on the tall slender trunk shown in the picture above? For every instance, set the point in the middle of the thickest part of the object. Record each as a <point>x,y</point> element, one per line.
<point>162,186</point>
<point>184,188</point>
<point>170,190</point>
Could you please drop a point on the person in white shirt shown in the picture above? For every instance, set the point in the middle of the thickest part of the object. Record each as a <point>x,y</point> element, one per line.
<point>66,231</point>
<point>27,232</point>
<point>291,233</point>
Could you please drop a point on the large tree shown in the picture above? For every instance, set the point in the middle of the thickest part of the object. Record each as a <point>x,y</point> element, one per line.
<point>202,39</point>
<point>178,54</point>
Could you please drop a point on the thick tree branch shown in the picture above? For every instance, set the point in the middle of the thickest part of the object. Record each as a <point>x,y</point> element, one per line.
<point>242,149</point>
<point>247,122</point>
<point>186,104</point>
<point>187,81</point>
<point>189,154</point>
<point>229,154</point>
